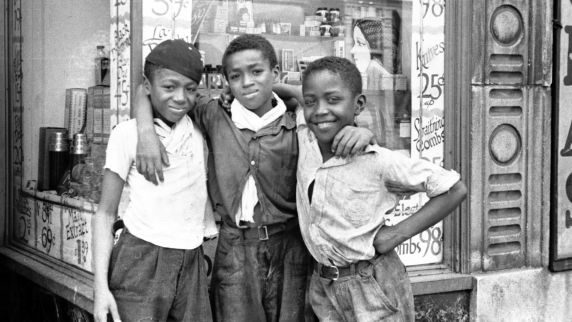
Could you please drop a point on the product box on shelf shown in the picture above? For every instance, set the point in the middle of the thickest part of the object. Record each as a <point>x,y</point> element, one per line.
<point>98,119</point>
<point>75,110</point>
<point>244,14</point>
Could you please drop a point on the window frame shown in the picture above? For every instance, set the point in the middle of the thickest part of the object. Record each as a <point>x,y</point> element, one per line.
<point>74,284</point>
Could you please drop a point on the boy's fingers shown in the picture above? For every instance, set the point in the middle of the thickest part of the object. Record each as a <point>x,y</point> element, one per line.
<point>138,165</point>
<point>352,142</point>
<point>164,156</point>
<point>158,170</point>
<point>336,140</point>
<point>114,312</point>
<point>356,149</point>
<point>345,146</point>
<point>149,173</point>
<point>339,147</point>
<point>100,316</point>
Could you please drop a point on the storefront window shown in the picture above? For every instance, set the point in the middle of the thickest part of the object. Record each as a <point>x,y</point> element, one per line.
<point>78,71</point>
<point>398,46</point>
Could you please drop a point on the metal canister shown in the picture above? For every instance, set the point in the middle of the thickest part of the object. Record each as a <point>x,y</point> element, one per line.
<point>79,149</point>
<point>323,13</point>
<point>58,158</point>
<point>79,152</point>
<point>334,14</point>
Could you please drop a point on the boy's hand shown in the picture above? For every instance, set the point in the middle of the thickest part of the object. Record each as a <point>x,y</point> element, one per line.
<point>104,303</point>
<point>226,97</point>
<point>351,140</point>
<point>151,156</point>
<point>387,238</point>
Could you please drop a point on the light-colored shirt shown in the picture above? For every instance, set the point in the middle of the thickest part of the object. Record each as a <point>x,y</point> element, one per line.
<point>176,213</point>
<point>350,199</point>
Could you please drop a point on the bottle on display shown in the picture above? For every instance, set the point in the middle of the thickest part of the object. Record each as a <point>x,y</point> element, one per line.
<point>101,67</point>
<point>79,152</point>
<point>59,160</point>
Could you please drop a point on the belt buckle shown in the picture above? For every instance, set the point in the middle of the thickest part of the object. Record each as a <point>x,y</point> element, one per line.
<point>336,272</point>
<point>262,233</point>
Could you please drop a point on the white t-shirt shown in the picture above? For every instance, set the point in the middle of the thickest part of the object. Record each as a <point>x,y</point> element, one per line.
<point>176,213</point>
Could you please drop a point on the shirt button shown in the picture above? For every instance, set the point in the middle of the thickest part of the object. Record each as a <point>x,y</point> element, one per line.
<point>252,162</point>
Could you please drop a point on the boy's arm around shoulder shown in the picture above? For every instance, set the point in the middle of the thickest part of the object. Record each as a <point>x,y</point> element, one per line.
<point>290,94</point>
<point>102,242</point>
<point>151,154</point>
<point>435,210</point>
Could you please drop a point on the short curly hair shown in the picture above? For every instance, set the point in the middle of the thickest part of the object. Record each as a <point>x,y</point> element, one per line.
<point>343,67</point>
<point>246,42</point>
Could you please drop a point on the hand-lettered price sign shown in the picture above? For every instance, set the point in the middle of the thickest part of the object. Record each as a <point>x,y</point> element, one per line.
<point>427,121</point>
<point>48,228</point>
<point>424,248</point>
<point>24,224</point>
<point>77,238</point>
<point>120,58</point>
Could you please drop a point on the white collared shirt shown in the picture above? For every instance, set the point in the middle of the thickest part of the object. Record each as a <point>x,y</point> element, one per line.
<point>176,213</point>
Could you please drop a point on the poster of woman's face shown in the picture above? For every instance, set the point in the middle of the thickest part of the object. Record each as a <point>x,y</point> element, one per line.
<point>360,51</point>
<point>376,49</point>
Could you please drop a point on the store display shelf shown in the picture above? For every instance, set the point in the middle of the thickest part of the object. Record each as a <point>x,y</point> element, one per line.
<point>282,37</point>
<point>57,226</point>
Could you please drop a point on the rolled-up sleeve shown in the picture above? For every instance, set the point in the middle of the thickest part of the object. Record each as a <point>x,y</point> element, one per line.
<point>418,174</point>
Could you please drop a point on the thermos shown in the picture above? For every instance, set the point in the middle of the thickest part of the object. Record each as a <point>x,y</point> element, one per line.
<point>79,149</point>
<point>58,158</point>
<point>79,152</point>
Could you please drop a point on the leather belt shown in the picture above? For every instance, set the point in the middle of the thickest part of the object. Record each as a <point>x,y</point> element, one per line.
<point>333,272</point>
<point>264,232</point>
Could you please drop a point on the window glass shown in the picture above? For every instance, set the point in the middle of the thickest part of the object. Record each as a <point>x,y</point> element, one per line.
<point>68,82</point>
<point>398,46</point>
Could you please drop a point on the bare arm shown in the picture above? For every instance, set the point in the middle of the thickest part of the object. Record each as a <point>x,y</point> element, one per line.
<point>349,141</point>
<point>290,94</point>
<point>431,213</point>
<point>102,244</point>
<point>151,154</point>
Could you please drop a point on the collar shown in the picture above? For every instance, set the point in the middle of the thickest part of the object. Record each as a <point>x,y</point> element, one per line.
<point>176,138</point>
<point>339,161</point>
<point>244,118</point>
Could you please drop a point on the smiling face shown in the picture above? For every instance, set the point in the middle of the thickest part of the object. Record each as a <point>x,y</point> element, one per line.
<point>329,105</point>
<point>361,50</point>
<point>250,78</point>
<point>172,94</point>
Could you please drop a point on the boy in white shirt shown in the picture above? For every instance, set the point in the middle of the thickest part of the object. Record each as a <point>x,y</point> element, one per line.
<point>156,270</point>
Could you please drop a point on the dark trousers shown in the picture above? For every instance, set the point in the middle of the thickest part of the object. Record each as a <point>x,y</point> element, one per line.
<point>152,283</point>
<point>260,280</point>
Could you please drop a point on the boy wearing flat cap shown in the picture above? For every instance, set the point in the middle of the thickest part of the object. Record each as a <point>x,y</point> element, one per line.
<point>155,271</point>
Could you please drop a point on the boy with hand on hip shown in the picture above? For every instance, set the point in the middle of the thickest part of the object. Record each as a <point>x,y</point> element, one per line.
<point>261,263</point>
<point>341,204</point>
<point>156,270</point>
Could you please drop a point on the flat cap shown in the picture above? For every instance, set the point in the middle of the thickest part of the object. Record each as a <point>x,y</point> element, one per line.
<point>179,56</point>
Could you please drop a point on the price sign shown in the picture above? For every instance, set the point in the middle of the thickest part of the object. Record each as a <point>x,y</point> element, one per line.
<point>48,228</point>
<point>120,58</point>
<point>76,232</point>
<point>166,19</point>
<point>427,123</point>
<point>25,225</point>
